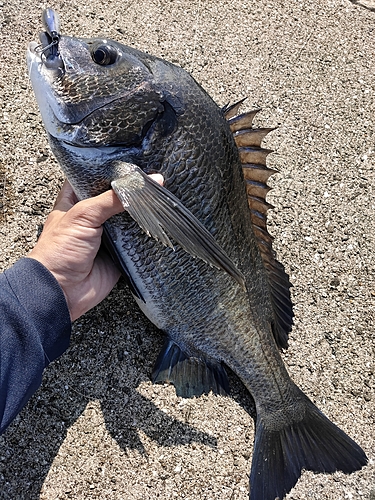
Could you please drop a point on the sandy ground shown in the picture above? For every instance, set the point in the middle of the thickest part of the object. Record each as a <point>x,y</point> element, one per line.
<point>98,428</point>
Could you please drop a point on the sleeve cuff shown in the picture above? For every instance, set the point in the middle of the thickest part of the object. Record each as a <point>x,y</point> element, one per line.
<point>39,293</point>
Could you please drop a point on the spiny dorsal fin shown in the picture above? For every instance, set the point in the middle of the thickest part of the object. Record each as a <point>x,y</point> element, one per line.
<point>256,174</point>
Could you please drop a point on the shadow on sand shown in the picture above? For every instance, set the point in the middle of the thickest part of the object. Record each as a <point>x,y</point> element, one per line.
<point>108,359</point>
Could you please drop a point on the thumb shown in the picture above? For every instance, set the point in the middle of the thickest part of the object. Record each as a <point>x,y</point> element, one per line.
<point>93,212</point>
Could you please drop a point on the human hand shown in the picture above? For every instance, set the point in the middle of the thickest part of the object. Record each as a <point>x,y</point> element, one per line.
<point>69,247</point>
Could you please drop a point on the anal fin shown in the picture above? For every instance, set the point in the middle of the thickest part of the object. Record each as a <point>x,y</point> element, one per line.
<point>191,376</point>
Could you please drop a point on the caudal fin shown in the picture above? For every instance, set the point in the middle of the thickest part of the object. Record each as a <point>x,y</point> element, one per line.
<point>312,443</point>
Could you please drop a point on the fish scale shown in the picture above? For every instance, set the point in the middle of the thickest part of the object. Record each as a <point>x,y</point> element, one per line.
<point>196,252</point>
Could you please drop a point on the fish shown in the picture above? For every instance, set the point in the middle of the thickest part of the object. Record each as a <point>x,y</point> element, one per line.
<point>196,252</point>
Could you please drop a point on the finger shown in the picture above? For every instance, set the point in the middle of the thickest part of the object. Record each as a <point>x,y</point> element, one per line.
<point>66,198</point>
<point>93,212</point>
<point>158,178</point>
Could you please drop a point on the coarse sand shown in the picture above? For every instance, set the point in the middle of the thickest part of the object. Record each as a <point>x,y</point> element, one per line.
<point>98,428</point>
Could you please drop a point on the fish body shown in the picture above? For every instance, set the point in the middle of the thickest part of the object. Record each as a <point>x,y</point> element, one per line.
<point>114,114</point>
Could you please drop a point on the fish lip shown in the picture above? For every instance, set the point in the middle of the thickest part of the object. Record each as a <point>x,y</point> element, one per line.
<point>36,48</point>
<point>39,74</point>
<point>33,57</point>
<point>31,50</point>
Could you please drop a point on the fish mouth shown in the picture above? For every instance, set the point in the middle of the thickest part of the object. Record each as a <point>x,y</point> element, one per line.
<point>46,66</point>
<point>47,53</point>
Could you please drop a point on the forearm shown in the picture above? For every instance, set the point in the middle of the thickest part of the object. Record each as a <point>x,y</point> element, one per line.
<point>35,329</point>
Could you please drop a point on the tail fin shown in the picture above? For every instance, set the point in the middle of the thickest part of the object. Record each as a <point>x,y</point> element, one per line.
<point>312,443</point>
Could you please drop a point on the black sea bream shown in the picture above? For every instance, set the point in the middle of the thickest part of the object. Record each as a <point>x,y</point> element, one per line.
<point>195,252</point>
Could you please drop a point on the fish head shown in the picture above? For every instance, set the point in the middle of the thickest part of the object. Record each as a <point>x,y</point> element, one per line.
<point>93,92</point>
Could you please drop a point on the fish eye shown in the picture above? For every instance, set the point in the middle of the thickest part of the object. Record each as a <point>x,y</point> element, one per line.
<point>104,55</point>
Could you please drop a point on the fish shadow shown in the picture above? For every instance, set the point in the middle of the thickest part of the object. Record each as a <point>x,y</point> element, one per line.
<point>112,352</point>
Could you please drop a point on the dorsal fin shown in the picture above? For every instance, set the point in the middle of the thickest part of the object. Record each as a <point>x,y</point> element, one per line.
<point>256,173</point>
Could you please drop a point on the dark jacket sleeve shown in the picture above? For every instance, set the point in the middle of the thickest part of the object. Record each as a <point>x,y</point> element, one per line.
<point>35,329</point>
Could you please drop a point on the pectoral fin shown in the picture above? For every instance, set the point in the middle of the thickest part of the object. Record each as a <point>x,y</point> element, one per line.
<point>160,214</point>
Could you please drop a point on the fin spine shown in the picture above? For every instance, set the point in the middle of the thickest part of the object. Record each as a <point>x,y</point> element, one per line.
<point>230,111</point>
<point>243,121</point>
<point>251,137</point>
